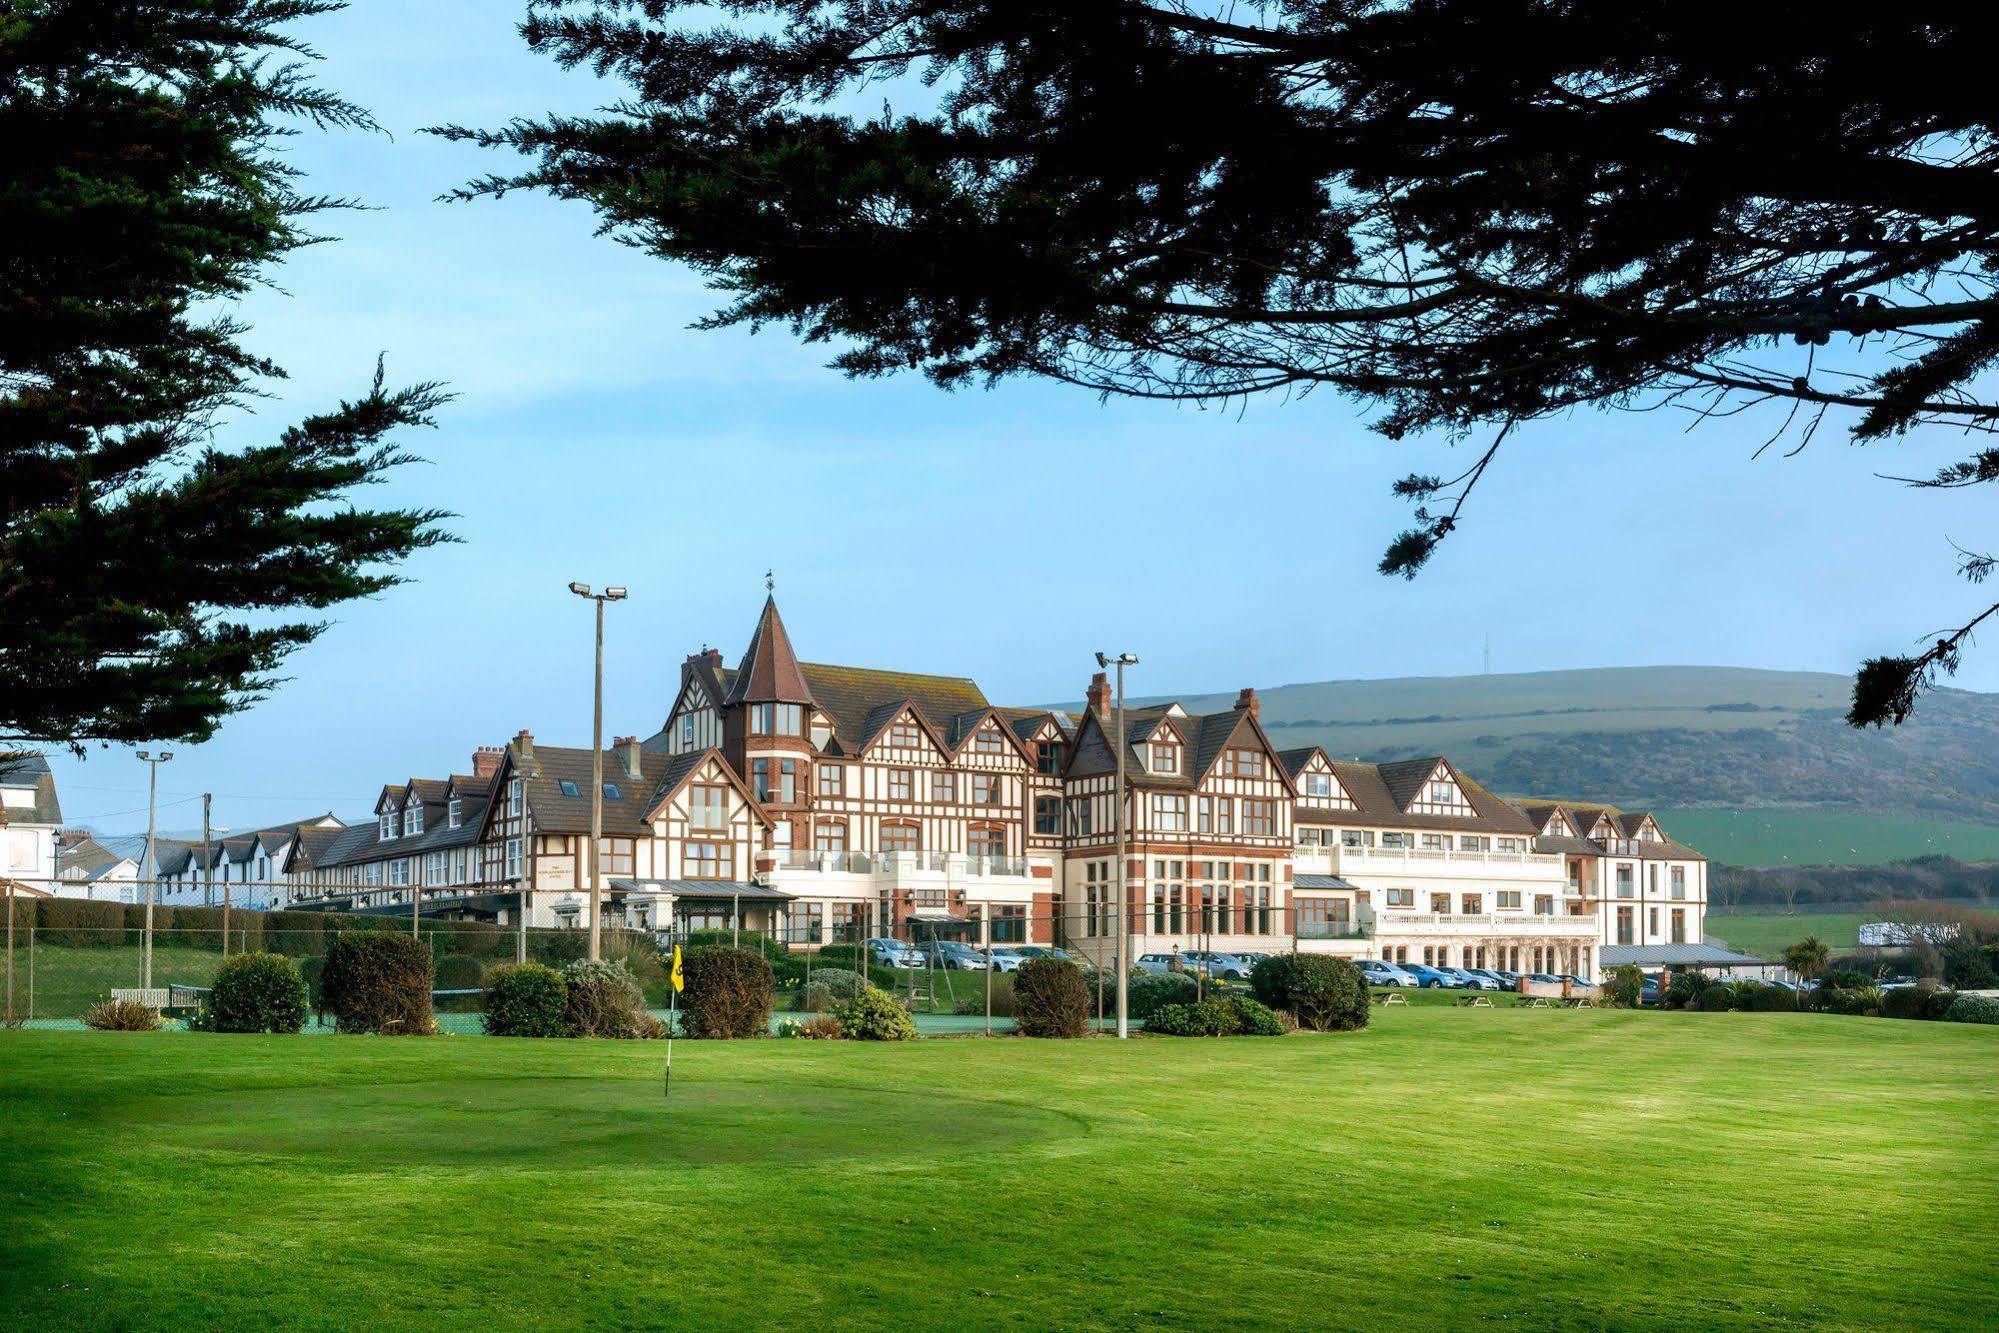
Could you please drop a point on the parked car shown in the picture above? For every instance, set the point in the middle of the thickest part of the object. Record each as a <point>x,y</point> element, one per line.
<point>1498,982</point>
<point>1159,964</point>
<point>1377,973</point>
<point>1004,959</point>
<point>1511,979</point>
<point>1044,951</point>
<point>1547,978</point>
<point>1465,979</point>
<point>1428,978</point>
<point>894,953</point>
<point>961,956</point>
<point>1213,964</point>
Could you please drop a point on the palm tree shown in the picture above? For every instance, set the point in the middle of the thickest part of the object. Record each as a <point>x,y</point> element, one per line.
<point>1807,957</point>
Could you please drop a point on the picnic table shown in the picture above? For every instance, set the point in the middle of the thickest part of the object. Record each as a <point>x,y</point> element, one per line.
<point>1532,1002</point>
<point>1472,1001</point>
<point>1391,999</point>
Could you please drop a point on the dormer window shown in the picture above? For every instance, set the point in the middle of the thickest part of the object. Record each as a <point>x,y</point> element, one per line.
<point>514,798</point>
<point>388,830</point>
<point>687,729</point>
<point>987,741</point>
<point>1242,763</point>
<point>1319,784</point>
<point>1442,793</point>
<point>1048,757</point>
<point>452,812</point>
<point>904,734</point>
<point>413,819</point>
<point>1165,757</point>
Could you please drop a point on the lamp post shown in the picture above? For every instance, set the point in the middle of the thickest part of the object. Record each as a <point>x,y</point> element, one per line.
<point>1121,877</point>
<point>613,594</point>
<point>152,763</point>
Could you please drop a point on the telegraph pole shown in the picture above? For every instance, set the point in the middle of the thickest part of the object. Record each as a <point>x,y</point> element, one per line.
<point>613,594</point>
<point>1121,878</point>
<point>152,856</point>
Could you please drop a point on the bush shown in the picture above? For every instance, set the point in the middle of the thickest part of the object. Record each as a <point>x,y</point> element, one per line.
<point>76,923</point>
<point>1148,992</point>
<point>822,1027</point>
<point>604,1000</point>
<point>1051,998</point>
<point>527,1000</point>
<point>1204,1018</point>
<point>728,994</point>
<point>814,999</point>
<point>1903,1002</point>
<point>1765,999</point>
<point>1966,966</point>
<point>1854,1001</point>
<point>121,1016</point>
<point>459,971</point>
<point>295,934</point>
<point>1325,994</point>
<point>875,1015</point>
<point>258,992</point>
<point>1847,978</point>
<point>1936,1006</point>
<point>376,981</point>
<point>1973,1009</point>
<point>1715,1000</point>
<point>1255,1019</point>
<point>1686,987</point>
<point>1002,997</point>
<point>1623,987</point>
<point>839,983</point>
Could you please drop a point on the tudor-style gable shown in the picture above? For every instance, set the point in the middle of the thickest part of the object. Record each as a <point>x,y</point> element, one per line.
<point>1318,783</point>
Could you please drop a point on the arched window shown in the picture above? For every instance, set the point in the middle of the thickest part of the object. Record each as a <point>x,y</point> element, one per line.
<point>902,835</point>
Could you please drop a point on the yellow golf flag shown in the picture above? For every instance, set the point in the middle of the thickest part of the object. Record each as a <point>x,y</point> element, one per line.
<point>678,984</point>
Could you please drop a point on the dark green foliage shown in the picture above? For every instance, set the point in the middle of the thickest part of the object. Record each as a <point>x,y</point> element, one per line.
<point>1903,1002</point>
<point>258,992</point>
<point>313,970</point>
<point>875,1015</point>
<point>77,923</point>
<point>1192,202</point>
<point>1853,1001</point>
<point>376,981</point>
<point>121,1016</point>
<point>1847,978</point>
<point>728,993</point>
<point>1623,987</point>
<point>1973,1009</point>
<point>1686,987</point>
<point>1146,992</point>
<point>1768,999</point>
<point>1936,1005</point>
<point>1714,1000</point>
<point>1204,1018</point>
<point>154,581</point>
<point>1051,999</point>
<point>459,972</point>
<point>295,934</point>
<point>1967,965</point>
<point>1002,1001</point>
<point>1325,994</point>
<point>1255,1019</point>
<point>526,1000</point>
<point>604,1000</point>
<point>197,927</point>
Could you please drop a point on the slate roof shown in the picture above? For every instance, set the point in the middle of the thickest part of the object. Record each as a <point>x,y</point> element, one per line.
<point>1321,882</point>
<point>1582,815</point>
<point>1373,792</point>
<point>358,844</point>
<point>1675,955</point>
<point>30,770</point>
<point>91,857</point>
<point>554,812</point>
<point>769,669</point>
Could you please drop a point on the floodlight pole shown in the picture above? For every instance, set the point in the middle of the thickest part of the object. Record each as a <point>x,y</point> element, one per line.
<point>611,594</point>
<point>1121,878</point>
<point>152,856</point>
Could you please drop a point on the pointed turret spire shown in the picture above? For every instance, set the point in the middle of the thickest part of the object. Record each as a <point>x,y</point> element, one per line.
<point>769,672</point>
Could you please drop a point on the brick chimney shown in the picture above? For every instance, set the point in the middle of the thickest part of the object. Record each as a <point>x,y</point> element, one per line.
<point>712,656</point>
<point>524,745</point>
<point>1247,702</point>
<point>486,760</point>
<point>626,749</point>
<point>1099,696</point>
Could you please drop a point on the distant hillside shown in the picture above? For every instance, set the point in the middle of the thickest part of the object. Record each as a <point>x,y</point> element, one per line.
<point>1663,737</point>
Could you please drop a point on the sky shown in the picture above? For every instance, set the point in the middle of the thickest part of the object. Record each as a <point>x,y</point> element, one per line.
<point>1005,534</point>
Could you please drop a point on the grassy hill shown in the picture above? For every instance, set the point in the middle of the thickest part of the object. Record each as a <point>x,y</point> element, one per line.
<point>1713,742</point>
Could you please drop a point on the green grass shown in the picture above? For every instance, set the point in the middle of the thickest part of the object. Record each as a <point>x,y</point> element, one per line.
<point>1755,837</point>
<point>1446,1167</point>
<point>1768,934</point>
<point>66,981</point>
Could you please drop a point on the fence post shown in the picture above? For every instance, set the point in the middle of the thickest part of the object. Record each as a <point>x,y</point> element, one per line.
<point>10,953</point>
<point>31,973</point>
<point>989,989</point>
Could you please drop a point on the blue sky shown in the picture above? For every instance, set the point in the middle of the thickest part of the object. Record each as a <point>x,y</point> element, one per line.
<point>1003,534</point>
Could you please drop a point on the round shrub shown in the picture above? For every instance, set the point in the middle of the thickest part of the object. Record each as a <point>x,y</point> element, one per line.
<point>527,1000</point>
<point>376,981</point>
<point>1051,999</point>
<point>728,994</point>
<point>1255,1019</point>
<point>1902,1002</point>
<point>1686,987</point>
<point>1623,987</point>
<point>258,992</point>
<point>1715,1000</point>
<point>1936,1006</point>
<point>1973,1009</point>
<point>1325,994</point>
<point>875,1015</point>
<point>121,1016</point>
<point>1765,999</point>
<point>604,1000</point>
<point>814,999</point>
<point>459,971</point>
<point>1147,992</point>
<point>1853,1001</point>
<point>1204,1018</point>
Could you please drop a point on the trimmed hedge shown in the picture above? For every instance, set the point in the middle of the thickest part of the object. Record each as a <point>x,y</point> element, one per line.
<point>295,934</point>
<point>1937,1006</point>
<point>1325,994</point>
<point>728,993</point>
<point>1258,1019</point>
<point>75,923</point>
<point>526,1000</point>
<point>1051,999</point>
<point>375,981</point>
<point>1204,1018</point>
<point>1972,1009</point>
<point>1766,999</point>
<point>1853,1001</point>
<point>1148,992</point>
<point>258,992</point>
<point>604,1000</point>
<point>875,1015</point>
<point>1903,1002</point>
<point>1714,1000</point>
<point>460,972</point>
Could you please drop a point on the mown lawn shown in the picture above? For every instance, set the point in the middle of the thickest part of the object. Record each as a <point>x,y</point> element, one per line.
<point>1445,1168</point>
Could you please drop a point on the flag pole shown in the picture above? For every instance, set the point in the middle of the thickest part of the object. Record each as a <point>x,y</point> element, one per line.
<point>673,985</point>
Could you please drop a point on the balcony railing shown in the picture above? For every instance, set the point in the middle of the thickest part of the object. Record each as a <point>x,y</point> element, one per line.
<point>1333,930</point>
<point>1493,921</point>
<point>887,863</point>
